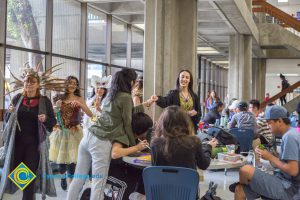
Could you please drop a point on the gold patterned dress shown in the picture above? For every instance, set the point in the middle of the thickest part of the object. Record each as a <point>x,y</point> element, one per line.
<point>65,138</point>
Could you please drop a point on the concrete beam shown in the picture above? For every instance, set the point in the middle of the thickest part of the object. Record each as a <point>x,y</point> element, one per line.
<point>127,8</point>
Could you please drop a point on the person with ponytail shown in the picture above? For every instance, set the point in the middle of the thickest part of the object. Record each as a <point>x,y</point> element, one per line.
<point>112,125</point>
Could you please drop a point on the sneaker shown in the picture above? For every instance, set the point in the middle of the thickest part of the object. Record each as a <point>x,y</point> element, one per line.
<point>233,186</point>
<point>63,184</point>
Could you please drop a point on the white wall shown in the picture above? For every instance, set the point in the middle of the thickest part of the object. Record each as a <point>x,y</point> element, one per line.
<point>288,67</point>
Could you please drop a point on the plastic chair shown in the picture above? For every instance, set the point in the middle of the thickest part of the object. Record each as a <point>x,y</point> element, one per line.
<point>170,183</point>
<point>244,137</point>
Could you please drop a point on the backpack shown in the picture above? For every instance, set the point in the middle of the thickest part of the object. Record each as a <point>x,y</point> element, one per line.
<point>222,136</point>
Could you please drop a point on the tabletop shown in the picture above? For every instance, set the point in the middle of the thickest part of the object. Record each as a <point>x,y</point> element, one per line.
<point>214,164</point>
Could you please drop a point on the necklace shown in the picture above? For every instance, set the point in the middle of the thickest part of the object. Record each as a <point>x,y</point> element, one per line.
<point>186,99</point>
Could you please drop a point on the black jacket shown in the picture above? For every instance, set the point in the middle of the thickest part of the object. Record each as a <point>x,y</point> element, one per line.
<point>172,98</point>
<point>182,154</point>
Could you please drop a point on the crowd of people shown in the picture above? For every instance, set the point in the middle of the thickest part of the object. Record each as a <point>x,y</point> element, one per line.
<point>114,125</point>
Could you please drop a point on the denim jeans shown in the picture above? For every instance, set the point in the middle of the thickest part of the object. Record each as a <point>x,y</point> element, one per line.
<point>93,152</point>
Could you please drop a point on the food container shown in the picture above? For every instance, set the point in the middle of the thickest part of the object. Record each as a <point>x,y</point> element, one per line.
<point>229,157</point>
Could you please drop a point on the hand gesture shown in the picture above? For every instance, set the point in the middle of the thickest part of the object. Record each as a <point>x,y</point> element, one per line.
<point>154,98</point>
<point>192,112</point>
<point>98,103</point>
<point>213,142</point>
<point>266,155</point>
<point>142,145</point>
<point>76,103</point>
<point>11,109</point>
<point>42,117</point>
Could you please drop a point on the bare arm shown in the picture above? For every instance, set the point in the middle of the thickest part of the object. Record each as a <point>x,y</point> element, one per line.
<point>290,167</point>
<point>119,151</point>
<point>136,100</point>
<point>85,108</point>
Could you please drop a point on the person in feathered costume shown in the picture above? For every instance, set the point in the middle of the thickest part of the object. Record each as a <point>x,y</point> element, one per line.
<point>29,118</point>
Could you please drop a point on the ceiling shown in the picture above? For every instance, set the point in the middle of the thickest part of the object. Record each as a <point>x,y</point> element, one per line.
<point>213,28</point>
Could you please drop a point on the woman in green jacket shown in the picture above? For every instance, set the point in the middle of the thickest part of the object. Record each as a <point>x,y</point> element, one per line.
<point>113,124</point>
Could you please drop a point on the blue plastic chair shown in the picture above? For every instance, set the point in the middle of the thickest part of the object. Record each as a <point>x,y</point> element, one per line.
<point>170,183</point>
<point>244,137</point>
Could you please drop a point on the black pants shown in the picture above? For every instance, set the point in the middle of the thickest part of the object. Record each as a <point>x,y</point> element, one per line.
<point>30,156</point>
<point>70,168</point>
<point>283,100</point>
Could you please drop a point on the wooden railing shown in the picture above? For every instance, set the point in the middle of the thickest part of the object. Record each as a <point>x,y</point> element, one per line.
<point>284,19</point>
<point>280,94</point>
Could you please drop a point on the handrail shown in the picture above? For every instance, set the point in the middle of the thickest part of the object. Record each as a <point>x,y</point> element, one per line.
<point>285,19</point>
<point>280,94</point>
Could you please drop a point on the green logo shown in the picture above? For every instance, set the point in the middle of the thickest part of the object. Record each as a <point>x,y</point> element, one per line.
<point>22,176</point>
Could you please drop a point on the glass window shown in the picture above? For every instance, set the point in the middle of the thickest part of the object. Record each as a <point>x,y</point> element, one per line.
<point>15,61</point>
<point>68,67</point>
<point>66,27</point>
<point>93,69</point>
<point>114,70</point>
<point>26,23</point>
<point>96,42</point>
<point>119,43</point>
<point>137,48</point>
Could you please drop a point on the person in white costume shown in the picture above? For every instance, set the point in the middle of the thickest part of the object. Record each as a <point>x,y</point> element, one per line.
<point>100,87</point>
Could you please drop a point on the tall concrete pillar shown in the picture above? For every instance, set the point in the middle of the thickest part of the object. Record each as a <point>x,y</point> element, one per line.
<point>170,43</point>
<point>259,78</point>
<point>208,77</point>
<point>249,5</point>
<point>240,67</point>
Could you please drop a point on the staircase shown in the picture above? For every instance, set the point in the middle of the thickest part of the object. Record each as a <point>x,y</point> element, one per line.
<point>291,105</point>
<point>282,18</point>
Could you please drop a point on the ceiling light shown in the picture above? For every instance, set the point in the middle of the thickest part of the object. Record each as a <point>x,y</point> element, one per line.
<point>283,1</point>
<point>141,26</point>
<point>221,62</point>
<point>207,50</point>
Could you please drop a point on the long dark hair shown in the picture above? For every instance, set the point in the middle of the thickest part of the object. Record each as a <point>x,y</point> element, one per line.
<point>190,87</point>
<point>175,128</point>
<point>121,82</point>
<point>103,96</point>
<point>76,92</point>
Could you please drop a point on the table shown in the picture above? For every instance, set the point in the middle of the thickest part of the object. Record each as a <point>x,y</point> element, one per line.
<point>214,164</point>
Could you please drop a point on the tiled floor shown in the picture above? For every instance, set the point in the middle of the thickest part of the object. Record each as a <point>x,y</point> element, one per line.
<point>216,176</point>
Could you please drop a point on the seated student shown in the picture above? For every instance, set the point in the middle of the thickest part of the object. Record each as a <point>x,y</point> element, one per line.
<point>285,184</point>
<point>175,144</point>
<point>243,119</point>
<point>214,113</point>
<point>124,179</point>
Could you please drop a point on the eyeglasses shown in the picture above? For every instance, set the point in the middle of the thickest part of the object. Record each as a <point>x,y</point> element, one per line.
<point>30,82</point>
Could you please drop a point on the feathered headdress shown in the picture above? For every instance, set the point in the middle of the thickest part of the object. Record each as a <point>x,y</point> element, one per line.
<point>46,80</point>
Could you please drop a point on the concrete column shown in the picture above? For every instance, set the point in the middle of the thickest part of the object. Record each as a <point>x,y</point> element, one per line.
<point>208,77</point>
<point>259,78</point>
<point>170,43</point>
<point>202,80</point>
<point>249,5</point>
<point>240,67</point>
